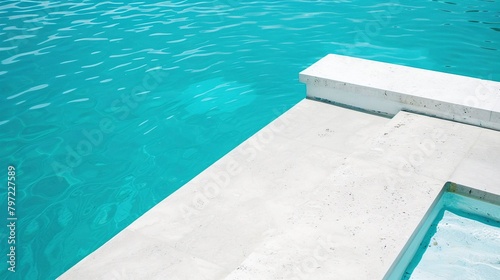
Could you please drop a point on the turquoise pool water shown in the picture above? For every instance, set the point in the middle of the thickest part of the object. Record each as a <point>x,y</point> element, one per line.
<point>108,107</point>
<point>461,248</point>
<point>462,242</point>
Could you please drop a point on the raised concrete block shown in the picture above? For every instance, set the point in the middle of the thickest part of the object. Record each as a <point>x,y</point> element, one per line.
<point>388,88</point>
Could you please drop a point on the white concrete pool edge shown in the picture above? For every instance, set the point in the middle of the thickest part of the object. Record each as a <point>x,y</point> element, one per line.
<point>388,88</point>
<point>322,192</point>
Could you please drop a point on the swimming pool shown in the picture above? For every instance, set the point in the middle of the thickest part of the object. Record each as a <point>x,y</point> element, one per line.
<point>458,239</point>
<point>107,108</point>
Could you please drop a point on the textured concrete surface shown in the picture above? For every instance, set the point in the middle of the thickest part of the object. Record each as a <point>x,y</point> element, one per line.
<point>323,192</point>
<point>389,88</point>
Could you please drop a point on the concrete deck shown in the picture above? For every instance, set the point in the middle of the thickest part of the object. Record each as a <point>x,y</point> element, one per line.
<point>323,192</point>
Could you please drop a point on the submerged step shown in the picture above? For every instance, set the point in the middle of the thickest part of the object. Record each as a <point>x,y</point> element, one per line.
<point>388,88</point>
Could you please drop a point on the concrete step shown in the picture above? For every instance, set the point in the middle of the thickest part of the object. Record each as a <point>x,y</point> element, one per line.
<point>389,88</point>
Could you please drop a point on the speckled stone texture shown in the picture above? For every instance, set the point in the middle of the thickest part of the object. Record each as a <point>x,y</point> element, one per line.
<point>323,192</point>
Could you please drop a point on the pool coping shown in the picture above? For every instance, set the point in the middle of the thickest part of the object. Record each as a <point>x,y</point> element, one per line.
<point>386,88</point>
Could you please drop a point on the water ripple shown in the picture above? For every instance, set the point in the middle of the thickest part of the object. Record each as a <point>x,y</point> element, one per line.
<point>13,58</point>
<point>35,88</point>
<point>78,100</point>
<point>39,106</point>
<point>205,73</point>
